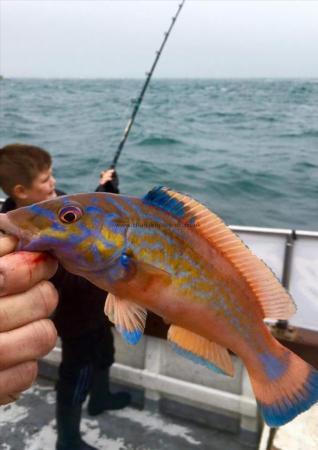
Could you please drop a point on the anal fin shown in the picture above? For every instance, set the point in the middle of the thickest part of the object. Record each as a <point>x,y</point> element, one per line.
<point>200,350</point>
<point>128,318</point>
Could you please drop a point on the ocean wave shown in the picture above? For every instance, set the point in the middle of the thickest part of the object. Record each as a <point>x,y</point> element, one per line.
<point>17,118</point>
<point>304,165</point>
<point>267,118</point>
<point>303,134</point>
<point>247,189</point>
<point>22,135</point>
<point>232,115</point>
<point>157,140</point>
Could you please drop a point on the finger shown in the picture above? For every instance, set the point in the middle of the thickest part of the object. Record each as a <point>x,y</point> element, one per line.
<point>16,379</point>
<point>27,343</point>
<point>35,304</point>
<point>21,270</point>
<point>108,172</point>
<point>104,179</point>
<point>9,398</point>
<point>7,244</point>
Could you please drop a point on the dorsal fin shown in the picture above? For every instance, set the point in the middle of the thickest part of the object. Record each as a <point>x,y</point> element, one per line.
<point>161,197</point>
<point>275,301</point>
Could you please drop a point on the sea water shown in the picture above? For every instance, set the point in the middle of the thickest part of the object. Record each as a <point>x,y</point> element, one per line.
<point>248,149</point>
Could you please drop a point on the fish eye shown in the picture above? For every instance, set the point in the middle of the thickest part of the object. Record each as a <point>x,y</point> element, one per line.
<point>70,214</point>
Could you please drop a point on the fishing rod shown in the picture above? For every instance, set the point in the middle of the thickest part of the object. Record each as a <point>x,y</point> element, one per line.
<point>144,88</point>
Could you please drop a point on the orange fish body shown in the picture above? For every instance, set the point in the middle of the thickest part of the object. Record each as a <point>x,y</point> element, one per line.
<point>169,254</point>
<point>223,304</point>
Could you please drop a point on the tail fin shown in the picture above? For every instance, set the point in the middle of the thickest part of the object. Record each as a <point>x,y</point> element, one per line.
<point>291,387</point>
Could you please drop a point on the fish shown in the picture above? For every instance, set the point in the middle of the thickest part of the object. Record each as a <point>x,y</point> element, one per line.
<point>169,254</point>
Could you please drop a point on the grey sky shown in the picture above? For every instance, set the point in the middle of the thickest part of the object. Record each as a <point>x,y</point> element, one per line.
<point>101,38</point>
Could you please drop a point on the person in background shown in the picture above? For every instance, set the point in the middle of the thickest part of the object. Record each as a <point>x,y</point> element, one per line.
<point>87,342</point>
<point>26,300</point>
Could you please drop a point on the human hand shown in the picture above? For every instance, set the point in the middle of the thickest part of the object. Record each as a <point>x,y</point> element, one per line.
<point>26,300</point>
<point>108,175</point>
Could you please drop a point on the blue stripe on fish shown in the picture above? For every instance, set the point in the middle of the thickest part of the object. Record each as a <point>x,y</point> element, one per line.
<point>43,243</point>
<point>38,210</point>
<point>155,231</point>
<point>198,294</point>
<point>161,239</point>
<point>151,245</point>
<point>273,366</point>
<point>95,214</point>
<point>57,227</point>
<point>72,239</point>
<point>114,222</point>
<point>119,207</point>
<point>193,263</point>
<point>94,210</point>
<point>96,254</point>
<point>197,359</point>
<point>86,232</point>
<point>107,244</point>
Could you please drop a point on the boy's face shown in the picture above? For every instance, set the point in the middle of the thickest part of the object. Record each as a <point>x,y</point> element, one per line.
<point>42,188</point>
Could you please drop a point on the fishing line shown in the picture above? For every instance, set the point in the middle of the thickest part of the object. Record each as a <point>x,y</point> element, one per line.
<point>137,102</point>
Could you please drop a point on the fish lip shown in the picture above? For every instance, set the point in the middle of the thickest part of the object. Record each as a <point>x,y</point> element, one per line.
<point>24,241</point>
<point>25,237</point>
<point>9,227</point>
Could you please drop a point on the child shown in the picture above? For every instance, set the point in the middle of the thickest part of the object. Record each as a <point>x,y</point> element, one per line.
<point>87,342</point>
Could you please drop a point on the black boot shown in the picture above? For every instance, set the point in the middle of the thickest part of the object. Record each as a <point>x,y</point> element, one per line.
<point>68,420</point>
<point>101,399</point>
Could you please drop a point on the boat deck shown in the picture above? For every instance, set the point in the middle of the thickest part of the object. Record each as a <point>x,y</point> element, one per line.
<point>29,424</point>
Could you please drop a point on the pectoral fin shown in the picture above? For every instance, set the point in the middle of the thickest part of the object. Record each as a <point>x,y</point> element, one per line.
<point>200,350</point>
<point>128,318</point>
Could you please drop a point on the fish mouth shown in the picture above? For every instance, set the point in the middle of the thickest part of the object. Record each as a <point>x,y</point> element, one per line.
<point>25,242</point>
<point>9,227</point>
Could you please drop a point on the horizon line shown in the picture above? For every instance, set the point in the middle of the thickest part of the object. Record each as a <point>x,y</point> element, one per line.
<point>250,77</point>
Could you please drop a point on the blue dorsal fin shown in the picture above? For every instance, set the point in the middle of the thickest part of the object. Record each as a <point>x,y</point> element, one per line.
<point>162,197</point>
